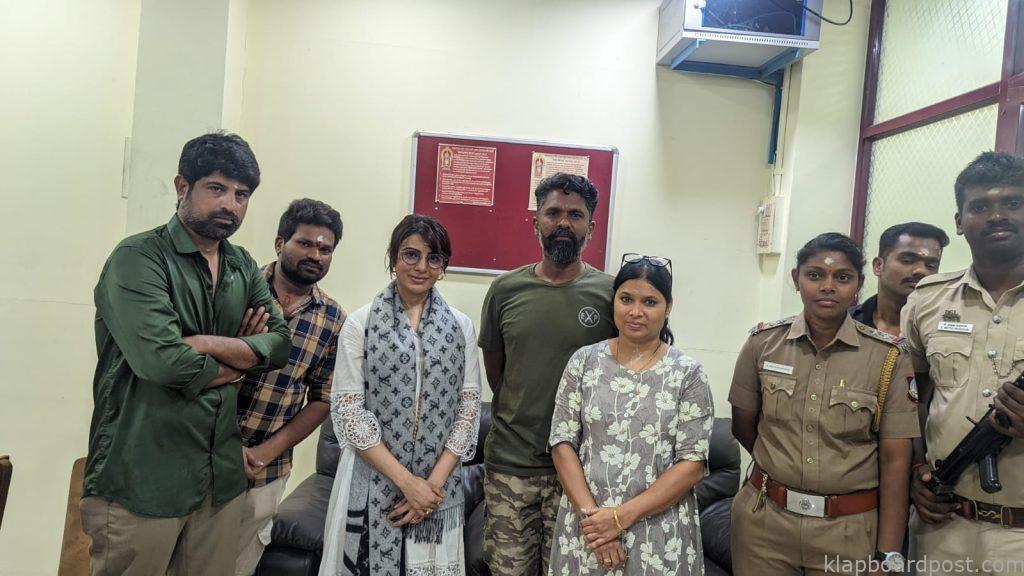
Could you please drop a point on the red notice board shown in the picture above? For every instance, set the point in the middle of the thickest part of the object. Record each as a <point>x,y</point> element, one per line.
<point>480,189</point>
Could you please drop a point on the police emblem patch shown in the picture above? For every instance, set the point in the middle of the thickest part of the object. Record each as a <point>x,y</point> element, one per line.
<point>912,390</point>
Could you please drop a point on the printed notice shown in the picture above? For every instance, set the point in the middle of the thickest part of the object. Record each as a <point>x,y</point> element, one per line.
<point>465,174</point>
<point>544,165</point>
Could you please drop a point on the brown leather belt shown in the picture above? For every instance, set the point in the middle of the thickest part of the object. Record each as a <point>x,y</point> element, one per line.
<point>1005,516</point>
<point>836,505</point>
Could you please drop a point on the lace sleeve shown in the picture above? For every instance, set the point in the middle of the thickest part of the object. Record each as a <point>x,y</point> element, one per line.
<point>353,423</point>
<point>462,438</point>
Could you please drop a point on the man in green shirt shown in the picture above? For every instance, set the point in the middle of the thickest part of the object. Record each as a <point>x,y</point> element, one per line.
<point>164,474</point>
<point>534,318</point>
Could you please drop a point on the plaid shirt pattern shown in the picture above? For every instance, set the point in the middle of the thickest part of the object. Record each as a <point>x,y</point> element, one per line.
<point>267,403</point>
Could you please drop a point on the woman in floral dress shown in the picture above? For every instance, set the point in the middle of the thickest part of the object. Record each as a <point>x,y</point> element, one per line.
<point>629,439</point>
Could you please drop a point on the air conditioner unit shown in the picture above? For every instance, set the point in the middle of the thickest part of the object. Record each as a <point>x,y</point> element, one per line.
<point>726,36</point>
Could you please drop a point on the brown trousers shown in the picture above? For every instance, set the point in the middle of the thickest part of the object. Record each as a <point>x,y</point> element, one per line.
<point>257,522</point>
<point>123,543</point>
<point>962,546</point>
<point>777,542</point>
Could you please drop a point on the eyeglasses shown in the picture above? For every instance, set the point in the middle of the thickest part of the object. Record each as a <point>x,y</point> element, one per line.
<point>633,258</point>
<point>411,256</point>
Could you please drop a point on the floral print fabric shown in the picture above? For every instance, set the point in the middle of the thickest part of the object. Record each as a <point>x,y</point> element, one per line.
<point>628,428</point>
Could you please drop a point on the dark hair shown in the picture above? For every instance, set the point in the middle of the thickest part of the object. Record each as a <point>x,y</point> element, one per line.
<point>311,212</point>
<point>658,276</point>
<point>989,169</point>
<point>567,183</point>
<point>892,235</point>
<point>433,233</point>
<point>219,152</point>
<point>832,242</point>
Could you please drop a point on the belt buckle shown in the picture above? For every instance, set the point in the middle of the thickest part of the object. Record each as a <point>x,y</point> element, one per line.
<point>805,504</point>
<point>992,515</point>
<point>987,515</point>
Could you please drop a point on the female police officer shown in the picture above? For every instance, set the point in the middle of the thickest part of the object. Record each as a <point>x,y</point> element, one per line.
<point>821,403</point>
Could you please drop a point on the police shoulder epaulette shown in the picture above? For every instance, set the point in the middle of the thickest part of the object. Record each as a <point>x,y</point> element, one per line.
<point>883,336</point>
<point>940,278</point>
<point>903,345</point>
<point>762,326</point>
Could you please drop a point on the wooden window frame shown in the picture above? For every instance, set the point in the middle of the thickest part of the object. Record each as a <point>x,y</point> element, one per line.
<point>1008,92</point>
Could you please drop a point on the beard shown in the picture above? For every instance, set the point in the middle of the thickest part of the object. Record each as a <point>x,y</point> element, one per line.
<point>208,227</point>
<point>562,246</point>
<point>299,275</point>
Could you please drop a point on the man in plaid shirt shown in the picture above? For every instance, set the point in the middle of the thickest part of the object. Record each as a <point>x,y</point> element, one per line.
<point>280,408</point>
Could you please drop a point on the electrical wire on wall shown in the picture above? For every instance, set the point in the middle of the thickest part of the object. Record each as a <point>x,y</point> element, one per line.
<point>849,17</point>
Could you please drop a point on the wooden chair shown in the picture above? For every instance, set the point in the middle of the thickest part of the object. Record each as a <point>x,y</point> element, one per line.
<point>6,470</point>
<point>74,553</point>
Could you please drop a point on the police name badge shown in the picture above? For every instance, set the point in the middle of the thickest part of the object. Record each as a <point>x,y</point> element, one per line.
<point>958,327</point>
<point>780,368</point>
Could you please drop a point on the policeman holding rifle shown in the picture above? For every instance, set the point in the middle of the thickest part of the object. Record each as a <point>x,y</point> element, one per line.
<point>966,334</point>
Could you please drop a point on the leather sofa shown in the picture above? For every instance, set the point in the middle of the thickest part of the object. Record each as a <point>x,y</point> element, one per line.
<point>297,538</point>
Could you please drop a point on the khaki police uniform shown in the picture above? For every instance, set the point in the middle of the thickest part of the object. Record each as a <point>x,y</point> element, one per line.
<point>817,409</point>
<point>969,345</point>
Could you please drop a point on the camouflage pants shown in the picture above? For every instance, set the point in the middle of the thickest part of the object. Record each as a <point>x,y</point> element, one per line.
<point>521,514</point>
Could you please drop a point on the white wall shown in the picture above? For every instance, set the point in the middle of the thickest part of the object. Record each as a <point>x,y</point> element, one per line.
<point>331,95</point>
<point>331,102</point>
<point>819,151</point>
<point>66,106</point>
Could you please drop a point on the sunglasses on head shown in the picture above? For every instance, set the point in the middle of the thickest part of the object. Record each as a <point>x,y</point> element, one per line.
<point>633,258</point>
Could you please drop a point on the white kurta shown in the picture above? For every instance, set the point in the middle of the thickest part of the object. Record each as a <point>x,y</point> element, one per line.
<point>356,427</point>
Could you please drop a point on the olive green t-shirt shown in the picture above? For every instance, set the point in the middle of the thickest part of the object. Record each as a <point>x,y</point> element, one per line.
<point>539,325</point>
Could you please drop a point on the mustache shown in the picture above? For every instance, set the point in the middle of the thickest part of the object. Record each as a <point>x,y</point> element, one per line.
<point>311,263</point>
<point>991,229</point>
<point>562,233</point>
<point>225,214</point>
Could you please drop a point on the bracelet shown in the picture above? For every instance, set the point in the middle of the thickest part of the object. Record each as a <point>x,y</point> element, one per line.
<point>615,515</point>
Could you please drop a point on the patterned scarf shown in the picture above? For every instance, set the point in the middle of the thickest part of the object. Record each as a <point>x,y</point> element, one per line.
<point>390,380</point>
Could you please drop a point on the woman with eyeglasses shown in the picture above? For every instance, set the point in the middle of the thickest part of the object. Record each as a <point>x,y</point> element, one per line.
<point>405,405</point>
<point>629,439</point>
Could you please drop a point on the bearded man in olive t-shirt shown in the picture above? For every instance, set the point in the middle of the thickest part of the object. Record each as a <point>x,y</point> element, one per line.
<point>534,318</point>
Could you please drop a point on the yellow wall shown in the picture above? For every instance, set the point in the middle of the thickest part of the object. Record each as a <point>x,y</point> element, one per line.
<point>819,152</point>
<point>331,95</point>
<point>66,106</point>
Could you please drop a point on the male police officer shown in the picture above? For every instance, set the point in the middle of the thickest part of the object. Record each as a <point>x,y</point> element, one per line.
<point>966,330</point>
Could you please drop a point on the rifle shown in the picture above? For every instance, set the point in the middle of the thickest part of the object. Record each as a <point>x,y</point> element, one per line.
<point>980,446</point>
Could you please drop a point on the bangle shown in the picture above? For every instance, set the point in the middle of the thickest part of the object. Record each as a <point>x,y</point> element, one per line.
<point>615,515</point>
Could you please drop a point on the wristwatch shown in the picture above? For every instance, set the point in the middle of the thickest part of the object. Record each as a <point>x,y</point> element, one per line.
<point>892,562</point>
